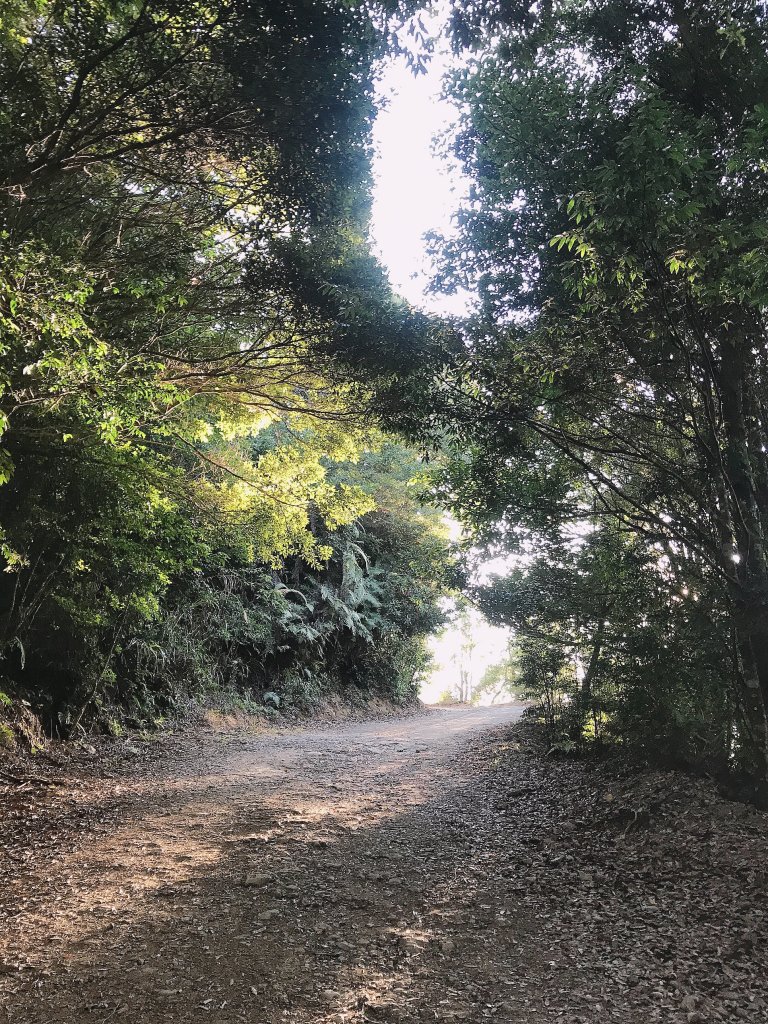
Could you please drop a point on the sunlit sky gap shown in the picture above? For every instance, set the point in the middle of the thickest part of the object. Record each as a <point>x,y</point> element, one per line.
<point>416,191</point>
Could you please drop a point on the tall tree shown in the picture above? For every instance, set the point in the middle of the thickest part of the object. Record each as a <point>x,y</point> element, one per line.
<point>184,197</point>
<point>615,233</point>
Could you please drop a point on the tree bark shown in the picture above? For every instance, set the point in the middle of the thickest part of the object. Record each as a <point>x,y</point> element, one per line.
<point>748,571</point>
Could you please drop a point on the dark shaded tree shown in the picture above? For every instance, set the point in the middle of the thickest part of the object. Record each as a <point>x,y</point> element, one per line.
<point>616,366</point>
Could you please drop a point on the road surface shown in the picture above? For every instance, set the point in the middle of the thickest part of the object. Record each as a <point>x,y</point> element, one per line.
<point>304,876</point>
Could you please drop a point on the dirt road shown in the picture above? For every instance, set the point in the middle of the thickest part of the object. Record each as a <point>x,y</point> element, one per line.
<point>307,876</point>
<point>438,868</point>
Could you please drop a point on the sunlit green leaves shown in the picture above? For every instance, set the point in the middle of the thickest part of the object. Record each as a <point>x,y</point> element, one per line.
<point>184,269</point>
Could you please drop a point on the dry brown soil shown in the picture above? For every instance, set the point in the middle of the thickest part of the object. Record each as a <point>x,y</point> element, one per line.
<point>431,868</point>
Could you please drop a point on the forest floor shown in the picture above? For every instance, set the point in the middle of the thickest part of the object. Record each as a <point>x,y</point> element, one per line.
<point>439,867</point>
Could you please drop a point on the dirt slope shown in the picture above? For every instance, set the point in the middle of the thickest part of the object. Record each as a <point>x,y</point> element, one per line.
<point>434,868</point>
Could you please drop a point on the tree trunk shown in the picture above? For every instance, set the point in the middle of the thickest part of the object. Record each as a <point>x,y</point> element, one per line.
<point>584,696</point>
<point>585,693</point>
<point>753,671</point>
<point>748,569</point>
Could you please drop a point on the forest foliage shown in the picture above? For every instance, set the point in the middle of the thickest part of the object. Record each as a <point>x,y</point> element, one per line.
<point>608,421</point>
<point>195,496</point>
<point>199,358</point>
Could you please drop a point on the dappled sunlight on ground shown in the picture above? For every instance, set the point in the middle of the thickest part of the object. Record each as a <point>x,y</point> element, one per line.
<point>288,881</point>
<point>436,869</point>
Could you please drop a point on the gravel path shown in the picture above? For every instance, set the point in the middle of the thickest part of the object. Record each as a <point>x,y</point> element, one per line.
<point>436,868</point>
<point>306,876</point>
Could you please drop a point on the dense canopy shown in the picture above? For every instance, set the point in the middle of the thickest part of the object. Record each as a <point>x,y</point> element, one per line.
<point>196,497</point>
<point>610,414</point>
<point>209,390</point>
